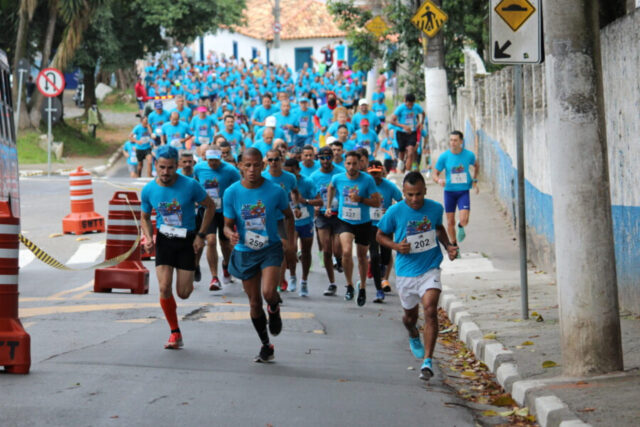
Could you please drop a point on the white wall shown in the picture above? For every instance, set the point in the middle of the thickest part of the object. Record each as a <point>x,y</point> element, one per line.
<point>287,48</point>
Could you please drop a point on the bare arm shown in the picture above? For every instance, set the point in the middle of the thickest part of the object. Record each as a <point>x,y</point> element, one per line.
<point>229,231</point>
<point>443,237</point>
<point>385,240</point>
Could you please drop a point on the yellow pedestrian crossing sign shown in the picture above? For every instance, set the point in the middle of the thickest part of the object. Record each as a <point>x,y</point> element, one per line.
<point>515,12</point>
<point>377,26</point>
<point>429,18</point>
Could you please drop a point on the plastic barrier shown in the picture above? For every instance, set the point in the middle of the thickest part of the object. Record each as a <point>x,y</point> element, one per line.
<point>122,230</point>
<point>82,218</point>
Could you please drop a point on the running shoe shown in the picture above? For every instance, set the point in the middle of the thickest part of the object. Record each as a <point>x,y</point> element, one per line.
<point>303,289</point>
<point>416,347</point>
<point>386,286</point>
<point>266,354</point>
<point>275,322</point>
<point>226,276</point>
<point>175,341</point>
<point>460,234</point>
<point>215,284</point>
<point>362,297</point>
<point>426,371</point>
<point>293,284</point>
<point>197,276</point>
<point>379,296</point>
<point>284,286</point>
<point>348,296</point>
<point>331,291</point>
<point>338,267</point>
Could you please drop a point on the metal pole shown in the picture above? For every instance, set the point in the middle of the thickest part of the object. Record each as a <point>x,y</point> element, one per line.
<point>21,72</point>
<point>522,223</point>
<point>49,138</point>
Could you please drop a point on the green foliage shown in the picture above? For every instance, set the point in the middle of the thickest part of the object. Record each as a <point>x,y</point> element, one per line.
<point>29,152</point>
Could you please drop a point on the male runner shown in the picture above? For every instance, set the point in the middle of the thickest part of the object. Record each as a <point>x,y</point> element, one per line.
<point>413,228</point>
<point>356,194</point>
<point>407,117</point>
<point>457,182</point>
<point>186,163</point>
<point>142,138</point>
<point>174,196</point>
<point>250,205</point>
<point>216,176</point>
<point>308,165</point>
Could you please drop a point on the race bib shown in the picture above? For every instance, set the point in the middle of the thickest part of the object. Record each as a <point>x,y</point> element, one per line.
<point>173,232</point>
<point>304,122</point>
<point>422,242</point>
<point>133,158</point>
<point>204,132</point>
<point>144,139</point>
<point>255,241</point>
<point>158,131</point>
<point>352,214</point>
<point>305,213</point>
<point>375,213</point>
<point>459,178</point>
<point>214,192</point>
<point>176,143</point>
<point>379,113</point>
<point>203,140</point>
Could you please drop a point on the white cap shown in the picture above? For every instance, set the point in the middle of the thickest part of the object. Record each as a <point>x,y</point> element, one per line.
<point>363,101</point>
<point>213,154</point>
<point>270,121</point>
<point>331,140</point>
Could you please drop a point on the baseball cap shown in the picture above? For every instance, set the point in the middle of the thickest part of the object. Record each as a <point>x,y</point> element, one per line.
<point>331,140</point>
<point>364,122</point>
<point>270,122</point>
<point>201,108</point>
<point>157,104</point>
<point>303,99</point>
<point>375,168</point>
<point>363,102</point>
<point>213,154</point>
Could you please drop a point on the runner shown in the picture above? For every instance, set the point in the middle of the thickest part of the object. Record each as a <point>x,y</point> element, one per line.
<point>308,165</point>
<point>129,150</point>
<point>174,196</point>
<point>457,182</point>
<point>407,117</point>
<point>257,253</point>
<point>216,176</point>
<point>227,155</point>
<point>356,194</point>
<point>202,126</point>
<point>157,118</point>
<point>413,228</point>
<point>380,255</point>
<point>175,132</point>
<point>186,163</point>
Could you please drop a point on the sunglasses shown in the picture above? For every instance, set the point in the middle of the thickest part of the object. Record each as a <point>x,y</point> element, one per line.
<point>325,157</point>
<point>273,160</point>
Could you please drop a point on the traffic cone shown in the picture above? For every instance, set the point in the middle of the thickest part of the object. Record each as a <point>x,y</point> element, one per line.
<point>148,255</point>
<point>82,218</point>
<point>15,343</point>
<point>121,234</point>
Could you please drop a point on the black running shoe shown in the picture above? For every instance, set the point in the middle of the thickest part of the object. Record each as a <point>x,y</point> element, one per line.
<point>362,297</point>
<point>266,354</point>
<point>197,276</point>
<point>331,291</point>
<point>348,296</point>
<point>275,322</point>
<point>338,267</point>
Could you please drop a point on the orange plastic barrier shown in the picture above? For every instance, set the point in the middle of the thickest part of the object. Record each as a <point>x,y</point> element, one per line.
<point>82,218</point>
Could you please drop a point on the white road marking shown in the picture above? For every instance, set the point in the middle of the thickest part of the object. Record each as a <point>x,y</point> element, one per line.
<point>25,257</point>
<point>87,253</point>
<point>468,263</point>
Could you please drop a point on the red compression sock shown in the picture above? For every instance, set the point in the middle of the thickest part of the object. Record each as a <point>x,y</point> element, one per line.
<point>169,307</point>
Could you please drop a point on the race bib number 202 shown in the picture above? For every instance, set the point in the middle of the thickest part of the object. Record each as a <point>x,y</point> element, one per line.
<point>422,242</point>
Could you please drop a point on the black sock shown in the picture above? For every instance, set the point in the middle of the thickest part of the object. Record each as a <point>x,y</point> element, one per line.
<point>175,331</point>
<point>460,225</point>
<point>339,260</point>
<point>274,308</point>
<point>260,324</point>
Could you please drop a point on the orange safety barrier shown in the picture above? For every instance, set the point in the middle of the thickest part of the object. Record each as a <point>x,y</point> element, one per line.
<point>15,343</point>
<point>148,255</point>
<point>82,218</point>
<point>122,232</point>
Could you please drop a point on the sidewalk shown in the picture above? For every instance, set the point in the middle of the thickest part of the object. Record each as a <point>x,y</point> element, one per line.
<point>482,296</point>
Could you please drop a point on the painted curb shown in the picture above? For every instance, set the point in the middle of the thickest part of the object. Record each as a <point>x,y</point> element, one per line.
<point>549,410</point>
<point>96,170</point>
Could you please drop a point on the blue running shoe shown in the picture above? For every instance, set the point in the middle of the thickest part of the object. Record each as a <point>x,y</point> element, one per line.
<point>416,347</point>
<point>426,370</point>
<point>293,285</point>
<point>304,291</point>
<point>379,296</point>
<point>460,234</point>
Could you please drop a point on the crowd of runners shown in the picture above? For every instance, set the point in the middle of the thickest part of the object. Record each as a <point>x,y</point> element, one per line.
<point>262,163</point>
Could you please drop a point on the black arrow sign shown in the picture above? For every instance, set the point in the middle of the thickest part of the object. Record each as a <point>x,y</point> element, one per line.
<point>499,52</point>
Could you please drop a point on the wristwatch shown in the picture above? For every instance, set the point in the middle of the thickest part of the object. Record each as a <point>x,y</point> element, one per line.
<point>202,235</point>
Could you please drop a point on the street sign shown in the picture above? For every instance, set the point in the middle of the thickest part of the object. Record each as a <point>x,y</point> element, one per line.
<point>56,110</point>
<point>23,65</point>
<point>429,18</point>
<point>50,82</point>
<point>516,31</point>
<point>377,26</point>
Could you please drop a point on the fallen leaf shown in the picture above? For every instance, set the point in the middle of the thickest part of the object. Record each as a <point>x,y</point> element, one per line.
<point>185,403</point>
<point>499,296</point>
<point>549,364</point>
<point>477,277</point>
<point>489,413</point>
<point>80,239</point>
<point>527,343</point>
<point>51,236</point>
<point>469,374</point>
<point>342,380</point>
<point>411,368</point>
<point>504,400</point>
<point>534,336</point>
<point>539,319</point>
<point>522,412</point>
<point>115,416</point>
<point>535,313</point>
<point>506,413</point>
<point>586,410</point>
<point>472,297</point>
<point>490,336</point>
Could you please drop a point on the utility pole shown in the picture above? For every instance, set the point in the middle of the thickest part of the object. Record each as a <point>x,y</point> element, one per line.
<point>276,31</point>
<point>585,258</point>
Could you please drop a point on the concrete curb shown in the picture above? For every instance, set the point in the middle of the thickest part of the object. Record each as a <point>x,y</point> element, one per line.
<point>96,170</point>
<point>549,410</point>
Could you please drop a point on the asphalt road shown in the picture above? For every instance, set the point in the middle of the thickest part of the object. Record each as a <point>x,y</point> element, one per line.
<point>98,359</point>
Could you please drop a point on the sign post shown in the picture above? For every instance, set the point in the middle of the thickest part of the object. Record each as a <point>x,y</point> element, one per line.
<point>516,39</point>
<point>50,83</point>
<point>23,68</point>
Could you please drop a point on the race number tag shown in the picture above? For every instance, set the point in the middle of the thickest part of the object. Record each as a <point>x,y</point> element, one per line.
<point>144,139</point>
<point>158,131</point>
<point>255,241</point>
<point>459,178</point>
<point>352,214</point>
<point>422,242</point>
<point>176,143</point>
<point>173,232</point>
<point>203,140</point>
<point>375,214</point>
<point>304,213</point>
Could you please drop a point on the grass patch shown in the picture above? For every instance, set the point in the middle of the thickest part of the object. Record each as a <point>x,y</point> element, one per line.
<point>120,101</point>
<point>28,150</point>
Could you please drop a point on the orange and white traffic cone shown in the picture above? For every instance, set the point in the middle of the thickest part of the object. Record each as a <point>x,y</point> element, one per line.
<point>121,234</point>
<point>82,218</point>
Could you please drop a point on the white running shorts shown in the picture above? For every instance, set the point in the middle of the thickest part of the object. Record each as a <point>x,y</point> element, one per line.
<point>411,289</point>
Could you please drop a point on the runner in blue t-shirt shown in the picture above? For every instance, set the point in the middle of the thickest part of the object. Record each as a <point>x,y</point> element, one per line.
<point>455,162</point>
<point>157,118</point>
<point>356,192</point>
<point>174,197</point>
<point>175,132</point>
<point>142,138</point>
<point>308,165</point>
<point>250,208</point>
<point>408,117</point>
<point>129,150</point>
<point>202,126</point>
<point>413,228</point>
<point>304,123</point>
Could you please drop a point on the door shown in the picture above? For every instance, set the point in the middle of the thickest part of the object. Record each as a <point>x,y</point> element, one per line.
<point>351,57</point>
<point>235,50</point>
<point>303,54</point>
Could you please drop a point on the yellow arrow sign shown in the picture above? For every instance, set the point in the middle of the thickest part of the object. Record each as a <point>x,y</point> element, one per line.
<point>377,26</point>
<point>429,18</point>
<point>515,12</point>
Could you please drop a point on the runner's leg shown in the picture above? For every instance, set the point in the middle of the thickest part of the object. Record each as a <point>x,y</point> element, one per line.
<point>430,329</point>
<point>346,242</point>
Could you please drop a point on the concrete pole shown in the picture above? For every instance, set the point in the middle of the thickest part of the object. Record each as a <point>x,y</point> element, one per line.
<point>275,54</point>
<point>437,93</point>
<point>585,259</point>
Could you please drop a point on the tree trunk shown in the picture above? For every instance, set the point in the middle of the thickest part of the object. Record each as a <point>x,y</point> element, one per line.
<point>585,258</point>
<point>25,12</point>
<point>121,78</point>
<point>437,94</point>
<point>38,99</point>
<point>89,88</point>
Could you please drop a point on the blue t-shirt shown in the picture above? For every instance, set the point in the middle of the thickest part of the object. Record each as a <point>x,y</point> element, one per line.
<point>202,129</point>
<point>157,120</point>
<point>176,133</point>
<point>142,135</point>
<point>175,205</point>
<point>333,128</point>
<point>389,192</point>
<point>321,181</point>
<point>456,167</point>
<point>254,210</point>
<point>307,191</point>
<point>371,116</point>
<point>185,114</point>
<point>349,211</point>
<point>379,109</point>
<point>367,140</point>
<point>130,148</point>
<point>216,181</point>
<point>408,116</point>
<point>419,228</point>
<point>281,121</point>
<point>306,172</point>
<point>234,139</point>
<point>304,121</point>
<point>386,144</point>
<point>263,147</point>
<point>340,52</point>
<point>287,181</point>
